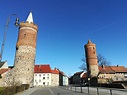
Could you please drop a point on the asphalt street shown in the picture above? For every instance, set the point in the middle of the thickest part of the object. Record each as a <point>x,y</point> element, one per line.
<point>72,91</point>
<point>55,91</point>
<point>49,91</point>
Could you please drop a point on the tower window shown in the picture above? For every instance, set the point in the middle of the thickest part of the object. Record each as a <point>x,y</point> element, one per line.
<point>24,35</point>
<point>16,47</point>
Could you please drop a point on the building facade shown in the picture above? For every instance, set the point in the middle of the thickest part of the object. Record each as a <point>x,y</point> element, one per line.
<point>45,76</point>
<point>109,74</point>
<point>42,79</point>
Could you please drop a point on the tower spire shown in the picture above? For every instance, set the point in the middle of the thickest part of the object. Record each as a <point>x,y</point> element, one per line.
<point>29,18</point>
<point>89,42</point>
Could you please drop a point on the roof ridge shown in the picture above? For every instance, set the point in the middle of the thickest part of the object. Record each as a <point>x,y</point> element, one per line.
<point>112,69</point>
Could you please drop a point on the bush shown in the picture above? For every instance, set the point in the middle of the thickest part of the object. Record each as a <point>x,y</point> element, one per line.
<point>9,90</point>
<point>26,86</point>
<point>13,89</point>
<point>2,90</point>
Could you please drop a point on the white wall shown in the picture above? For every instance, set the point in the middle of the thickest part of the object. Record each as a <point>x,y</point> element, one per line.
<point>5,65</point>
<point>42,79</point>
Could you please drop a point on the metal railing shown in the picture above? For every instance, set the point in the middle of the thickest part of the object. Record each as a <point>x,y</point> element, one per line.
<point>96,90</point>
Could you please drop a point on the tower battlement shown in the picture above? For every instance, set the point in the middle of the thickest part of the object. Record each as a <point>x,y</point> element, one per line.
<point>30,25</point>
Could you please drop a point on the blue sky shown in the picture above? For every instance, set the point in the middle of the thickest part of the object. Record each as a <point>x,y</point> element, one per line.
<point>65,27</point>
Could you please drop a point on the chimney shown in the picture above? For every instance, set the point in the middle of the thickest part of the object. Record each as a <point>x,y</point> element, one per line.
<point>103,66</point>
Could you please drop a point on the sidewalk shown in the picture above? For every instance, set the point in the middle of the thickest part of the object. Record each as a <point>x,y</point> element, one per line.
<point>27,92</point>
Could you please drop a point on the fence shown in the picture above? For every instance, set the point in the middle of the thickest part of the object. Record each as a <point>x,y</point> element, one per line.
<point>97,90</point>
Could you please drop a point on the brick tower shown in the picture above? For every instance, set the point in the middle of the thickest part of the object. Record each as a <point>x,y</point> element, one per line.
<point>25,51</point>
<point>91,59</point>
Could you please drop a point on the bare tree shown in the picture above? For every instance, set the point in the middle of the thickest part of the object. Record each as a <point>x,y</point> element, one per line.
<point>101,61</point>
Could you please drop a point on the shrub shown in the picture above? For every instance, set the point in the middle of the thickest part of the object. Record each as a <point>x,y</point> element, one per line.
<point>13,89</point>
<point>2,90</point>
<point>26,86</point>
<point>9,90</point>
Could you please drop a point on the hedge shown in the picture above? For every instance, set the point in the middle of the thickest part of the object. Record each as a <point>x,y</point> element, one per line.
<point>12,90</point>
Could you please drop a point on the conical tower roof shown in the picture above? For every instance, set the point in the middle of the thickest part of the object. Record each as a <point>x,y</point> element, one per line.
<point>89,42</point>
<point>29,18</point>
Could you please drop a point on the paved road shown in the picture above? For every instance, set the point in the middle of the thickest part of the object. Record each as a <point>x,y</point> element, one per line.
<point>49,91</point>
<point>55,91</point>
<point>71,91</point>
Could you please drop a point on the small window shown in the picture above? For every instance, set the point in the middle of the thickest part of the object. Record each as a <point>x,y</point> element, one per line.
<point>24,35</point>
<point>16,47</point>
<point>43,83</point>
<point>43,77</point>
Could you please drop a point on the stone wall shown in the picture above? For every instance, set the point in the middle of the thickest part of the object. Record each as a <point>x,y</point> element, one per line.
<point>91,59</point>
<point>23,71</point>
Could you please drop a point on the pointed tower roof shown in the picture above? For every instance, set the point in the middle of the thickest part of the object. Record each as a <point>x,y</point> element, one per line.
<point>29,18</point>
<point>89,42</point>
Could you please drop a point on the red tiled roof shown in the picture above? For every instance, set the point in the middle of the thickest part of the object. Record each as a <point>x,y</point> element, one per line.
<point>42,68</point>
<point>4,70</point>
<point>112,69</point>
<point>118,68</point>
<point>106,69</point>
<point>54,71</point>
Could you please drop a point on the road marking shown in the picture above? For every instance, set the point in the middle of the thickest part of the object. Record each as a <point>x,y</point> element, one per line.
<point>51,91</point>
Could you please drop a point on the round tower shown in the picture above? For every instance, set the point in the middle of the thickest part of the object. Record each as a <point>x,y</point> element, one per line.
<point>91,59</point>
<point>25,51</point>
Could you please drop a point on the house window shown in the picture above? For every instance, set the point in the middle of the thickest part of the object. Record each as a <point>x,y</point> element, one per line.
<point>43,74</point>
<point>43,83</point>
<point>47,78</point>
<point>39,80</point>
<point>35,74</point>
<point>47,74</point>
<point>40,75</point>
<point>43,77</point>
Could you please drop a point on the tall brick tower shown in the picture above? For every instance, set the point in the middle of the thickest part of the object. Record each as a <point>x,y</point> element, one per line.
<point>91,59</point>
<point>25,51</point>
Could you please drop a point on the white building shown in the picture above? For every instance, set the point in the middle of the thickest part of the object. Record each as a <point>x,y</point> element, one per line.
<point>42,75</point>
<point>45,76</point>
<point>3,65</point>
